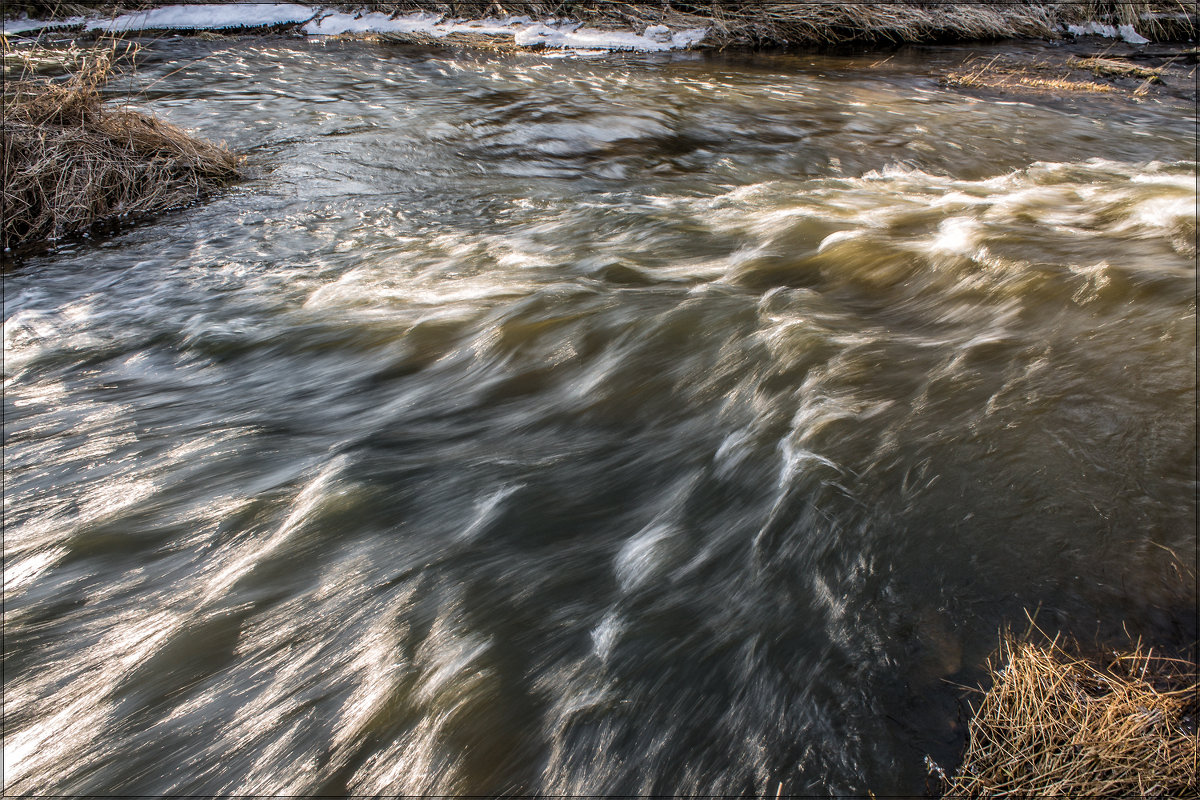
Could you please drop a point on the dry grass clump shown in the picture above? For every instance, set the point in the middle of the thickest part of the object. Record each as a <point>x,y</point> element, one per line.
<point>1113,67</point>
<point>829,23</point>
<point>1009,78</point>
<point>1056,725</point>
<point>68,161</point>
<point>778,23</point>
<point>1071,75</point>
<point>813,22</point>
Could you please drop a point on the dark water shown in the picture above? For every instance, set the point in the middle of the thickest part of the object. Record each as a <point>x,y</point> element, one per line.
<point>591,425</point>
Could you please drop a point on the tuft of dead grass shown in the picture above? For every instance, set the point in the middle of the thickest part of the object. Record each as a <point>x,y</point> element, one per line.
<point>1052,76</point>
<point>1057,725</point>
<point>68,160</point>
<point>786,22</point>
<point>1010,79</point>
<point>815,22</point>
<point>1117,68</point>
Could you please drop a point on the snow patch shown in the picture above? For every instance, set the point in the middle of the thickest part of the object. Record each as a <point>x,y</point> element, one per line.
<point>1093,29</point>
<point>211,16</point>
<point>656,38</point>
<point>1125,32</point>
<point>25,24</point>
<point>371,22</point>
<point>1130,35</point>
<point>524,31</point>
<point>558,34</point>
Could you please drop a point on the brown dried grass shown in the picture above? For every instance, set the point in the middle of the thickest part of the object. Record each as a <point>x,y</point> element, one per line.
<point>1058,725</point>
<point>989,75</point>
<point>829,23</point>
<point>762,22</point>
<point>68,160</point>
<point>1057,76</point>
<point>824,22</point>
<point>1158,20</point>
<point>1117,68</point>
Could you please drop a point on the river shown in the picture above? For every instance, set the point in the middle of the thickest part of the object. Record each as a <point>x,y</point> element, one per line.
<point>672,423</point>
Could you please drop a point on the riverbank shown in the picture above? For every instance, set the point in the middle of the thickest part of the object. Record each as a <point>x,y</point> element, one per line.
<point>635,26</point>
<point>148,166</point>
<point>70,161</point>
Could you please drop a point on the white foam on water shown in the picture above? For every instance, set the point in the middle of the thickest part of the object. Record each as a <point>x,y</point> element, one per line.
<point>1163,212</point>
<point>605,634</point>
<point>734,449</point>
<point>956,235</point>
<point>640,557</point>
<point>838,236</point>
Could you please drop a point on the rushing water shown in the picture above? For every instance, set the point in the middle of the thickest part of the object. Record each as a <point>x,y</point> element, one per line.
<point>685,423</point>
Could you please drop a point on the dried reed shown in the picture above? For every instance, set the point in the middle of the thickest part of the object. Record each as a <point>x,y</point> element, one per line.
<point>1113,67</point>
<point>990,75</point>
<point>1057,725</point>
<point>762,22</point>
<point>68,161</point>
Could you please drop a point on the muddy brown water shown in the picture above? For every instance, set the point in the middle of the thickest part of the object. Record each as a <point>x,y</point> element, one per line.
<point>592,424</point>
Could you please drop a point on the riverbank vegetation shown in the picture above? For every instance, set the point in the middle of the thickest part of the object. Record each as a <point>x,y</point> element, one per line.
<point>767,23</point>
<point>1055,724</point>
<point>69,160</point>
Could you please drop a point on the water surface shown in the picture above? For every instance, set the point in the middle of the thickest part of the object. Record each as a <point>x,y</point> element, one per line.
<point>591,425</point>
